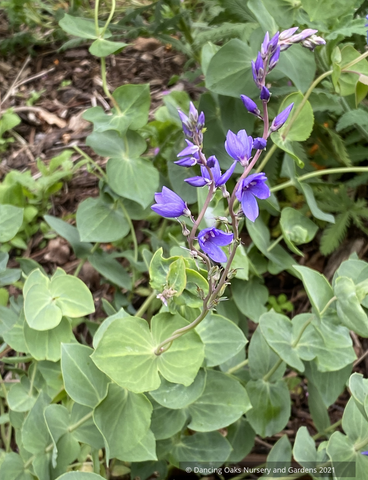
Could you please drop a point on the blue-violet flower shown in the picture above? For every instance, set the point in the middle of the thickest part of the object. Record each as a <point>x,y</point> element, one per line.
<point>169,204</point>
<point>251,187</point>
<point>239,146</point>
<point>205,179</point>
<point>281,118</point>
<point>274,59</point>
<point>250,105</point>
<point>265,94</point>
<point>259,143</point>
<point>258,70</point>
<point>193,123</point>
<point>211,239</point>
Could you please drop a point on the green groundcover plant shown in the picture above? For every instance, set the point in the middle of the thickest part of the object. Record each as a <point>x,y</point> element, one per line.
<point>171,377</point>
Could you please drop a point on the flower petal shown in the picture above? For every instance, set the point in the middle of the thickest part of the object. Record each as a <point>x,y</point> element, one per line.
<point>214,252</point>
<point>221,238</point>
<point>196,181</point>
<point>189,150</point>
<point>168,196</point>
<point>168,210</point>
<point>225,177</point>
<point>186,162</point>
<point>233,146</point>
<point>249,206</point>
<point>260,190</point>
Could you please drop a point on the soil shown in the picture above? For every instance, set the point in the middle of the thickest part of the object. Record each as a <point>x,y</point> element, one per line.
<point>70,83</point>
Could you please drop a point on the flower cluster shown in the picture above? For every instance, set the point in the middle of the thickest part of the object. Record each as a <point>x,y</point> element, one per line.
<point>241,147</point>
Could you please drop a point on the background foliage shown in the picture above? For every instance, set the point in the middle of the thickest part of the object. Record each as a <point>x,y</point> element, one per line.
<point>103,402</point>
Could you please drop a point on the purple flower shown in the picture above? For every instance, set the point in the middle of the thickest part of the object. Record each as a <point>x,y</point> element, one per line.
<point>289,39</point>
<point>281,118</point>
<point>259,143</point>
<point>188,161</point>
<point>364,453</point>
<point>193,123</point>
<point>239,146</point>
<point>287,33</point>
<point>251,187</point>
<point>269,46</point>
<point>274,59</point>
<point>190,149</point>
<point>205,179</point>
<point>250,105</point>
<point>265,94</point>
<point>258,70</point>
<point>273,43</point>
<point>169,204</point>
<point>264,46</point>
<point>312,42</point>
<point>211,239</point>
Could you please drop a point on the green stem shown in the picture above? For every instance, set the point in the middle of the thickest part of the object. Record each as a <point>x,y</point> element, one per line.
<point>97,29</point>
<point>90,160</point>
<point>32,378</point>
<point>306,324</point>
<point>276,242</point>
<point>238,366</point>
<point>11,360</point>
<point>358,446</point>
<point>142,309</point>
<point>103,61</point>
<point>79,267</point>
<point>303,102</point>
<point>266,158</point>
<point>295,343</point>
<point>327,305</point>
<point>181,331</point>
<point>312,87</point>
<point>104,85</point>
<point>272,370</point>
<point>353,62</point>
<point>327,430</point>
<point>132,230</point>
<point>83,261</point>
<point>113,6</point>
<point>318,173</point>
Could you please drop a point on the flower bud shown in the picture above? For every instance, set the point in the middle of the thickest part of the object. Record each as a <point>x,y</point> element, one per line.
<point>312,42</point>
<point>258,70</point>
<point>287,33</point>
<point>259,143</point>
<point>250,105</point>
<point>265,94</point>
<point>274,59</point>
<point>264,46</point>
<point>281,118</point>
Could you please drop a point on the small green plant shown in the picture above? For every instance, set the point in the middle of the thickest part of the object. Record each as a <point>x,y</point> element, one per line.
<point>280,304</point>
<point>8,121</point>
